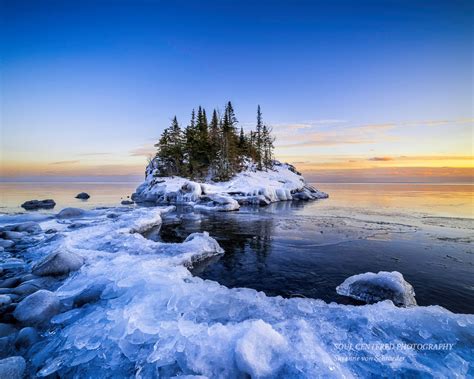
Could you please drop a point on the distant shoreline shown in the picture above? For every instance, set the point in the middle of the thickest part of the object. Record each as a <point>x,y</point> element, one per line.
<point>140,180</point>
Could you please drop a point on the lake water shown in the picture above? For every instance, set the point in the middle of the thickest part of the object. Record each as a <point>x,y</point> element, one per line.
<point>308,248</point>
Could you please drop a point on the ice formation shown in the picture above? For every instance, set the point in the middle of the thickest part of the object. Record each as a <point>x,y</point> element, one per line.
<point>281,183</point>
<point>134,310</point>
<point>371,288</point>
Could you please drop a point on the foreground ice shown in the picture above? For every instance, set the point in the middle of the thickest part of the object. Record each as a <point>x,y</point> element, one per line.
<point>142,314</point>
<point>371,288</point>
<point>250,186</point>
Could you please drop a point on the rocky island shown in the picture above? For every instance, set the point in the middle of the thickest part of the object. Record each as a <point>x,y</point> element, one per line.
<point>212,167</point>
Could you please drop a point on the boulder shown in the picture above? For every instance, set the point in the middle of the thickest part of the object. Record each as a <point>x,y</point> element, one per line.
<point>28,227</point>
<point>5,300</point>
<point>126,202</point>
<point>58,263</point>
<point>11,235</point>
<point>37,308</point>
<point>12,367</point>
<point>82,196</point>
<point>371,288</point>
<point>38,204</point>
<point>6,330</point>
<point>6,243</point>
<point>26,337</point>
<point>71,213</point>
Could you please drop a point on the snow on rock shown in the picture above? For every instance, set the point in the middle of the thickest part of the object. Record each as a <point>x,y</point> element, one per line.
<point>37,308</point>
<point>135,310</point>
<point>71,213</point>
<point>58,263</point>
<point>371,288</point>
<point>250,186</point>
<point>217,202</point>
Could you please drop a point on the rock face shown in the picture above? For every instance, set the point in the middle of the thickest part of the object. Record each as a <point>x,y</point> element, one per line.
<point>71,213</point>
<point>83,196</point>
<point>38,204</point>
<point>58,263</point>
<point>12,368</point>
<point>37,308</point>
<point>372,288</point>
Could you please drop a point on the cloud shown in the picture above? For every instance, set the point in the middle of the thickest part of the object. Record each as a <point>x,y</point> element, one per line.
<point>143,151</point>
<point>64,162</point>
<point>381,159</point>
<point>92,154</point>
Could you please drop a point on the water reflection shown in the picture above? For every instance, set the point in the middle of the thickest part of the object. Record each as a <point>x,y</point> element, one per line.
<point>284,250</point>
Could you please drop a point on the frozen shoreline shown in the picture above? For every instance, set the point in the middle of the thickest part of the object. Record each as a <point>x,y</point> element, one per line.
<point>153,316</point>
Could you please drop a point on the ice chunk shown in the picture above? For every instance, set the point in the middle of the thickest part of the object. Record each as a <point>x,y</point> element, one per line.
<point>371,288</point>
<point>12,367</point>
<point>260,352</point>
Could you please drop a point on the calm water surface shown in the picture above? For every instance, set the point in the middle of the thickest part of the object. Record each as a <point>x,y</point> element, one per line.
<point>12,195</point>
<point>308,248</point>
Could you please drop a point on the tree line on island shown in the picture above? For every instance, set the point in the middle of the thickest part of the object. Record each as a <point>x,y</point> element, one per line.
<point>213,150</point>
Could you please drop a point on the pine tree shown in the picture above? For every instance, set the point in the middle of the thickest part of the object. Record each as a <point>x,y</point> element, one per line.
<point>217,150</point>
<point>214,137</point>
<point>171,150</point>
<point>259,140</point>
<point>242,142</point>
<point>191,135</point>
<point>267,144</point>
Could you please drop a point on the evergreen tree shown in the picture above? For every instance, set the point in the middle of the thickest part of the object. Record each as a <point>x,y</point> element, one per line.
<point>259,140</point>
<point>191,135</point>
<point>214,137</point>
<point>216,150</point>
<point>267,144</point>
<point>171,150</point>
<point>242,145</point>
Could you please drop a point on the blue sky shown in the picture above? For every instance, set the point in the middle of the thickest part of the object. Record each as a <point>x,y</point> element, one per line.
<point>87,87</point>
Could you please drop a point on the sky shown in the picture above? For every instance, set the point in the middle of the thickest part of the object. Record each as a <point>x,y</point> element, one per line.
<point>355,91</point>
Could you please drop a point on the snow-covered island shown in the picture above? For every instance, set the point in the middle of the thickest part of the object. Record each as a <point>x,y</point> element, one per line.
<point>280,183</point>
<point>211,166</point>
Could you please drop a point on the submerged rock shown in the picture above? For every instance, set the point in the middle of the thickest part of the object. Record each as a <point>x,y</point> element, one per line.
<point>83,196</point>
<point>37,308</point>
<point>12,367</point>
<point>6,243</point>
<point>71,213</point>
<point>38,204</point>
<point>372,288</point>
<point>11,235</point>
<point>58,263</point>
